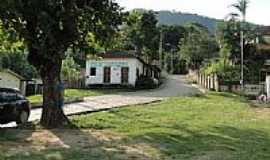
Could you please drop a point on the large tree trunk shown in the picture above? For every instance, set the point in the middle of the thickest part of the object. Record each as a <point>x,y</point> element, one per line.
<point>52,113</point>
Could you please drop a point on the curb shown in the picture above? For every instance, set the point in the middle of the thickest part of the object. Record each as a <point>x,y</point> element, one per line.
<point>68,100</point>
<point>204,91</point>
<point>108,109</point>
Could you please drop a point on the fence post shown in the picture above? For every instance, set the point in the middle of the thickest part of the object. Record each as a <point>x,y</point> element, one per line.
<point>198,76</point>
<point>213,82</point>
<point>209,82</point>
<point>216,81</point>
<point>201,81</point>
<point>204,80</point>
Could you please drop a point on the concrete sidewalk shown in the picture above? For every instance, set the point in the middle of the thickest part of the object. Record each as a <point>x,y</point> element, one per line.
<point>94,104</point>
<point>99,103</point>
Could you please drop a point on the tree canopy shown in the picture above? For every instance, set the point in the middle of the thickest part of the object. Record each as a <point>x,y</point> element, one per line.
<point>13,55</point>
<point>198,44</point>
<point>140,33</point>
<point>48,28</point>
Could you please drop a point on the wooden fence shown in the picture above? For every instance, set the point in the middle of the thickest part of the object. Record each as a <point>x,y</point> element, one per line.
<point>76,84</point>
<point>213,83</point>
<point>207,81</point>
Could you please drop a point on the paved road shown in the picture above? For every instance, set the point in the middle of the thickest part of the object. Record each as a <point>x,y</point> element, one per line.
<point>174,86</point>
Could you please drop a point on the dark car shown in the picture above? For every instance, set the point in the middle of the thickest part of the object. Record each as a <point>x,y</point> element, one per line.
<point>13,106</point>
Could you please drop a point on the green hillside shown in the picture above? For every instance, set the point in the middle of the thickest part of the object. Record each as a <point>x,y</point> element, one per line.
<point>178,18</point>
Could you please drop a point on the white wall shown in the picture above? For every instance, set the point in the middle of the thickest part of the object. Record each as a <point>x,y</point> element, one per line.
<point>116,64</point>
<point>140,66</point>
<point>9,81</point>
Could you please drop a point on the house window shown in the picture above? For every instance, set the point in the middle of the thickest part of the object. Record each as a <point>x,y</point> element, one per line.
<point>93,71</point>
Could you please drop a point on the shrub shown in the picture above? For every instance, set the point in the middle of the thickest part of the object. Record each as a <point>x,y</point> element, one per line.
<point>144,82</point>
<point>224,71</point>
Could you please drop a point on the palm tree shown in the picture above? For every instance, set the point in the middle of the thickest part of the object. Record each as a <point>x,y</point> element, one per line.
<point>242,6</point>
<point>231,17</point>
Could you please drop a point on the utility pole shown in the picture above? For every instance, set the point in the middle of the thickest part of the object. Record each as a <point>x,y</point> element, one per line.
<point>242,41</point>
<point>172,57</point>
<point>242,60</point>
<point>241,6</point>
<point>160,49</point>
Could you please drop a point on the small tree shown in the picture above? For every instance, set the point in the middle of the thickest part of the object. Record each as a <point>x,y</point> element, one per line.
<point>197,45</point>
<point>141,33</point>
<point>48,28</point>
<point>70,70</point>
<point>17,62</point>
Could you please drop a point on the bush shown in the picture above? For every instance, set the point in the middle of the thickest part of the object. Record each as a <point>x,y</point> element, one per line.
<point>144,82</point>
<point>226,72</point>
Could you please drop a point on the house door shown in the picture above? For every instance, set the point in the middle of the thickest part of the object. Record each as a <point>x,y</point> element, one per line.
<point>124,75</point>
<point>107,75</point>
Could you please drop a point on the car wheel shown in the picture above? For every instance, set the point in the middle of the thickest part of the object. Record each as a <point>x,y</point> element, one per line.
<point>23,117</point>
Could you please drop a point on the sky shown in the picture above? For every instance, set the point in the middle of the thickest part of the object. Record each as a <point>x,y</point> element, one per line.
<point>258,11</point>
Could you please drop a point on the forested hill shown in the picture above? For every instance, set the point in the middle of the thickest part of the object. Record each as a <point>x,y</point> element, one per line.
<point>178,18</point>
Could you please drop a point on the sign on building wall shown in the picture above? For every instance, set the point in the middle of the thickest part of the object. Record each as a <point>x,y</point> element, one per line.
<point>104,63</point>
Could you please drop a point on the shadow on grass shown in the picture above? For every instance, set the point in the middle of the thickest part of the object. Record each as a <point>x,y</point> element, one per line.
<point>232,96</point>
<point>71,143</point>
<point>227,95</point>
<point>218,143</point>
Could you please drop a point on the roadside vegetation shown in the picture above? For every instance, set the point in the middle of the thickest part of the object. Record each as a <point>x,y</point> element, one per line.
<point>227,63</point>
<point>215,126</point>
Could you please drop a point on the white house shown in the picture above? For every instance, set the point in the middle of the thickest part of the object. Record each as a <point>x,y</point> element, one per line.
<point>10,79</point>
<point>117,68</point>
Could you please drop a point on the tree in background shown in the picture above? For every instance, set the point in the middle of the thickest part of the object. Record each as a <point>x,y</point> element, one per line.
<point>150,34</point>
<point>228,65</point>
<point>225,54</point>
<point>171,38</point>
<point>48,29</point>
<point>9,40</point>
<point>70,70</point>
<point>241,6</point>
<point>228,35</point>
<point>140,33</point>
<point>12,50</point>
<point>17,62</point>
<point>132,38</point>
<point>197,45</point>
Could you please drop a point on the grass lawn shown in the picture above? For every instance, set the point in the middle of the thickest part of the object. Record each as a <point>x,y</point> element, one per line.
<point>74,93</point>
<point>217,126</point>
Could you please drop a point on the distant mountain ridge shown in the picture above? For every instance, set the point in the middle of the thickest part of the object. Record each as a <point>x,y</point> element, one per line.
<point>179,18</point>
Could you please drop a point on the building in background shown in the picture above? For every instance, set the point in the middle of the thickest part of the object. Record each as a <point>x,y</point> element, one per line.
<point>10,79</point>
<point>118,68</point>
